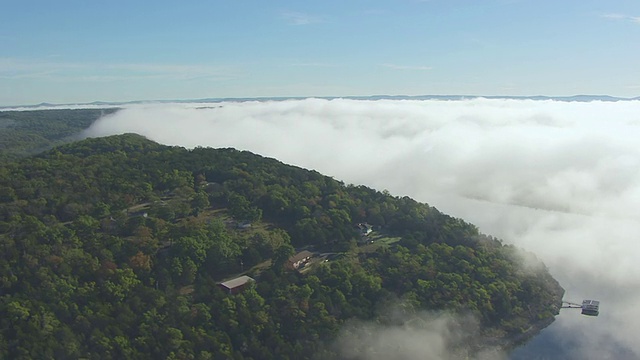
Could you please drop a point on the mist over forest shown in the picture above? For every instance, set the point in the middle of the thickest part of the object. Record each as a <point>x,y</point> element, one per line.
<point>560,179</point>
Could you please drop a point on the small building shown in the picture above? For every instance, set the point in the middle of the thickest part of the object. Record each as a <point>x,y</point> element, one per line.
<point>299,260</point>
<point>364,229</point>
<point>235,286</point>
<point>590,307</point>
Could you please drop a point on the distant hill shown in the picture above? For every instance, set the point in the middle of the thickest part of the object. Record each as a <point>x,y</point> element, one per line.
<point>115,247</point>
<point>25,133</point>
<point>578,98</point>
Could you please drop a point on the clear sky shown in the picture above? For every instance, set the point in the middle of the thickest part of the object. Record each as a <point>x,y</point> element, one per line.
<point>81,51</point>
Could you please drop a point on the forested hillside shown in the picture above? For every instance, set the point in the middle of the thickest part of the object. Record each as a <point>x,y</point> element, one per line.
<point>114,248</point>
<point>29,132</point>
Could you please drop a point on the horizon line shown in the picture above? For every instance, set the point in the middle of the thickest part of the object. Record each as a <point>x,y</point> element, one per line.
<point>567,98</point>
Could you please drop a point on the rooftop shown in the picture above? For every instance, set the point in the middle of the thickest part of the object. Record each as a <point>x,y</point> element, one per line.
<point>301,255</point>
<point>239,281</point>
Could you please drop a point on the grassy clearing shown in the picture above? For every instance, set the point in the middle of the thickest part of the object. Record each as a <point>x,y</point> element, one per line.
<point>186,290</point>
<point>258,268</point>
<point>378,242</point>
<point>388,240</point>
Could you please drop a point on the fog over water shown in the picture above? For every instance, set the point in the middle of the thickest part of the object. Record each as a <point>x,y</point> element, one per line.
<point>561,179</point>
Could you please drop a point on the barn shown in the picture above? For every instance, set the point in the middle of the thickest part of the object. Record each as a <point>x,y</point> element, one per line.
<point>235,286</point>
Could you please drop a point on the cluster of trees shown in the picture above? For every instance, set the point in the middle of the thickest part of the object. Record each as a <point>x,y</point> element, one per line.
<point>113,248</point>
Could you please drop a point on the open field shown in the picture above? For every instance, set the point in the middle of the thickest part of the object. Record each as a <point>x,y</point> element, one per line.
<point>379,241</point>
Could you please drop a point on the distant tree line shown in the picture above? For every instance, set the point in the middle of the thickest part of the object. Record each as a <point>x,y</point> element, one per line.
<point>29,132</point>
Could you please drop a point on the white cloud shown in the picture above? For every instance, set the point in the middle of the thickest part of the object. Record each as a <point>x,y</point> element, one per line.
<point>615,16</point>
<point>561,179</point>
<point>299,18</point>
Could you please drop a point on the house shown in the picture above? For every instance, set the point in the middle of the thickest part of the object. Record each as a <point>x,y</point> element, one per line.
<point>364,229</point>
<point>235,286</point>
<point>299,260</point>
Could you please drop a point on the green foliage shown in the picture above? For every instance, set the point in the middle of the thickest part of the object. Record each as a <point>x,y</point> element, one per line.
<point>240,208</point>
<point>29,132</point>
<point>113,248</point>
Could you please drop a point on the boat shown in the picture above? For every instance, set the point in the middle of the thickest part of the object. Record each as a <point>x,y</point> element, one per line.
<point>590,307</point>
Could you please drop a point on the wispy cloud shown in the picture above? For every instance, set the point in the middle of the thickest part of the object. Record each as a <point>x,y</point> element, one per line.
<point>407,67</point>
<point>299,18</point>
<point>11,68</point>
<point>622,17</point>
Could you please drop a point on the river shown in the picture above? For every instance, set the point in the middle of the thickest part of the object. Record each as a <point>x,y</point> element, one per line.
<point>592,257</point>
<point>563,341</point>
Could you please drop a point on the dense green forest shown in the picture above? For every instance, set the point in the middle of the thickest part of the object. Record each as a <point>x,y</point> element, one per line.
<point>29,132</point>
<point>114,248</point>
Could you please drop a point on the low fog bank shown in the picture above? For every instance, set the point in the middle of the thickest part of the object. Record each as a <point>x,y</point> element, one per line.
<point>411,336</point>
<point>560,179</point>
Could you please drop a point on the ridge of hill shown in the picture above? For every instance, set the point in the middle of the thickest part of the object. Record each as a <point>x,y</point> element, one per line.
<point>115,248</point>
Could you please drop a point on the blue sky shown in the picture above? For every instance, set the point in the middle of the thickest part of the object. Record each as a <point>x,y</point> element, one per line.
<point>82,51</point>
